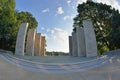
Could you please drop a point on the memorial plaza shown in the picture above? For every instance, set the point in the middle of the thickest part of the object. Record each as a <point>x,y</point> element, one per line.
<point>59,40</point>
<point>108,71</point>
<point>83,63</point>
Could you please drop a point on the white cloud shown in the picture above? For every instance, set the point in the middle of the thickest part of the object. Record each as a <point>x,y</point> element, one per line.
<point>48,30</point>
<point>68,2</point>
<point>80,2</point>
<point>113,3</point>
<point>46,36</point>
<point>42,28</point>
<point>58,40</point>
<point>52,31</point>
<point>60,10</point>
<point>46,10</point>
<point>68,17</point>
<point>60,35</point>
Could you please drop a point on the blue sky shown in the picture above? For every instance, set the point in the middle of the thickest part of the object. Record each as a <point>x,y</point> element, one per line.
<point>55,19</point>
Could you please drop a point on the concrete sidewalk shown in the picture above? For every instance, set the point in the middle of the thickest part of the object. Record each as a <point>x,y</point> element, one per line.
<point>109,71</point>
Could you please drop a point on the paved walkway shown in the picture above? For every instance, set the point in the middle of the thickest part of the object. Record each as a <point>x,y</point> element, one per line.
<point>57,67</point>
<point>109,71</point>
<point>54,59</point>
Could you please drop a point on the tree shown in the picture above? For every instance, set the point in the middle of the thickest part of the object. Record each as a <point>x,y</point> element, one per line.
<point>115,33</point>
<point>23,17</point>
<point>7,23</point>
<point>10,20</point>
<point>103,18</point>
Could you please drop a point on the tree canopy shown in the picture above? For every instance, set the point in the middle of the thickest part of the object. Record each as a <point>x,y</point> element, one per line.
<point>106,21</point>
<point>10,20</point>
<point>23,17</point>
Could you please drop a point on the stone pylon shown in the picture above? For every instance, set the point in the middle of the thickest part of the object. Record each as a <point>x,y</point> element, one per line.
<point>37,45</point>
<point>81,41</point>
<point>30,42</point>
<point>43,44</point>
<point>20,42</point>
<point>74,44</point>
<point>90,0</point>
<point>90,38</point>
<point>70,45</point>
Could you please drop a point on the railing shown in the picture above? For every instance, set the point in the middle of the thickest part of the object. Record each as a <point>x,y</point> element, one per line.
<point>56,67</point>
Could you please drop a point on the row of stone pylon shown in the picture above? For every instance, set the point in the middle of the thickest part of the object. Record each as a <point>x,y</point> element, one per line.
<point>35,43</point>
<point>83,41</point>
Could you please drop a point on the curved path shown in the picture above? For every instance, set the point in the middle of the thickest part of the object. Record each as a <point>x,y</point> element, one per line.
<point>108,71</point>
<point>56,67</point>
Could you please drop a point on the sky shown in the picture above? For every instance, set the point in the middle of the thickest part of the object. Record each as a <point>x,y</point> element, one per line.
<point>55,19</point>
